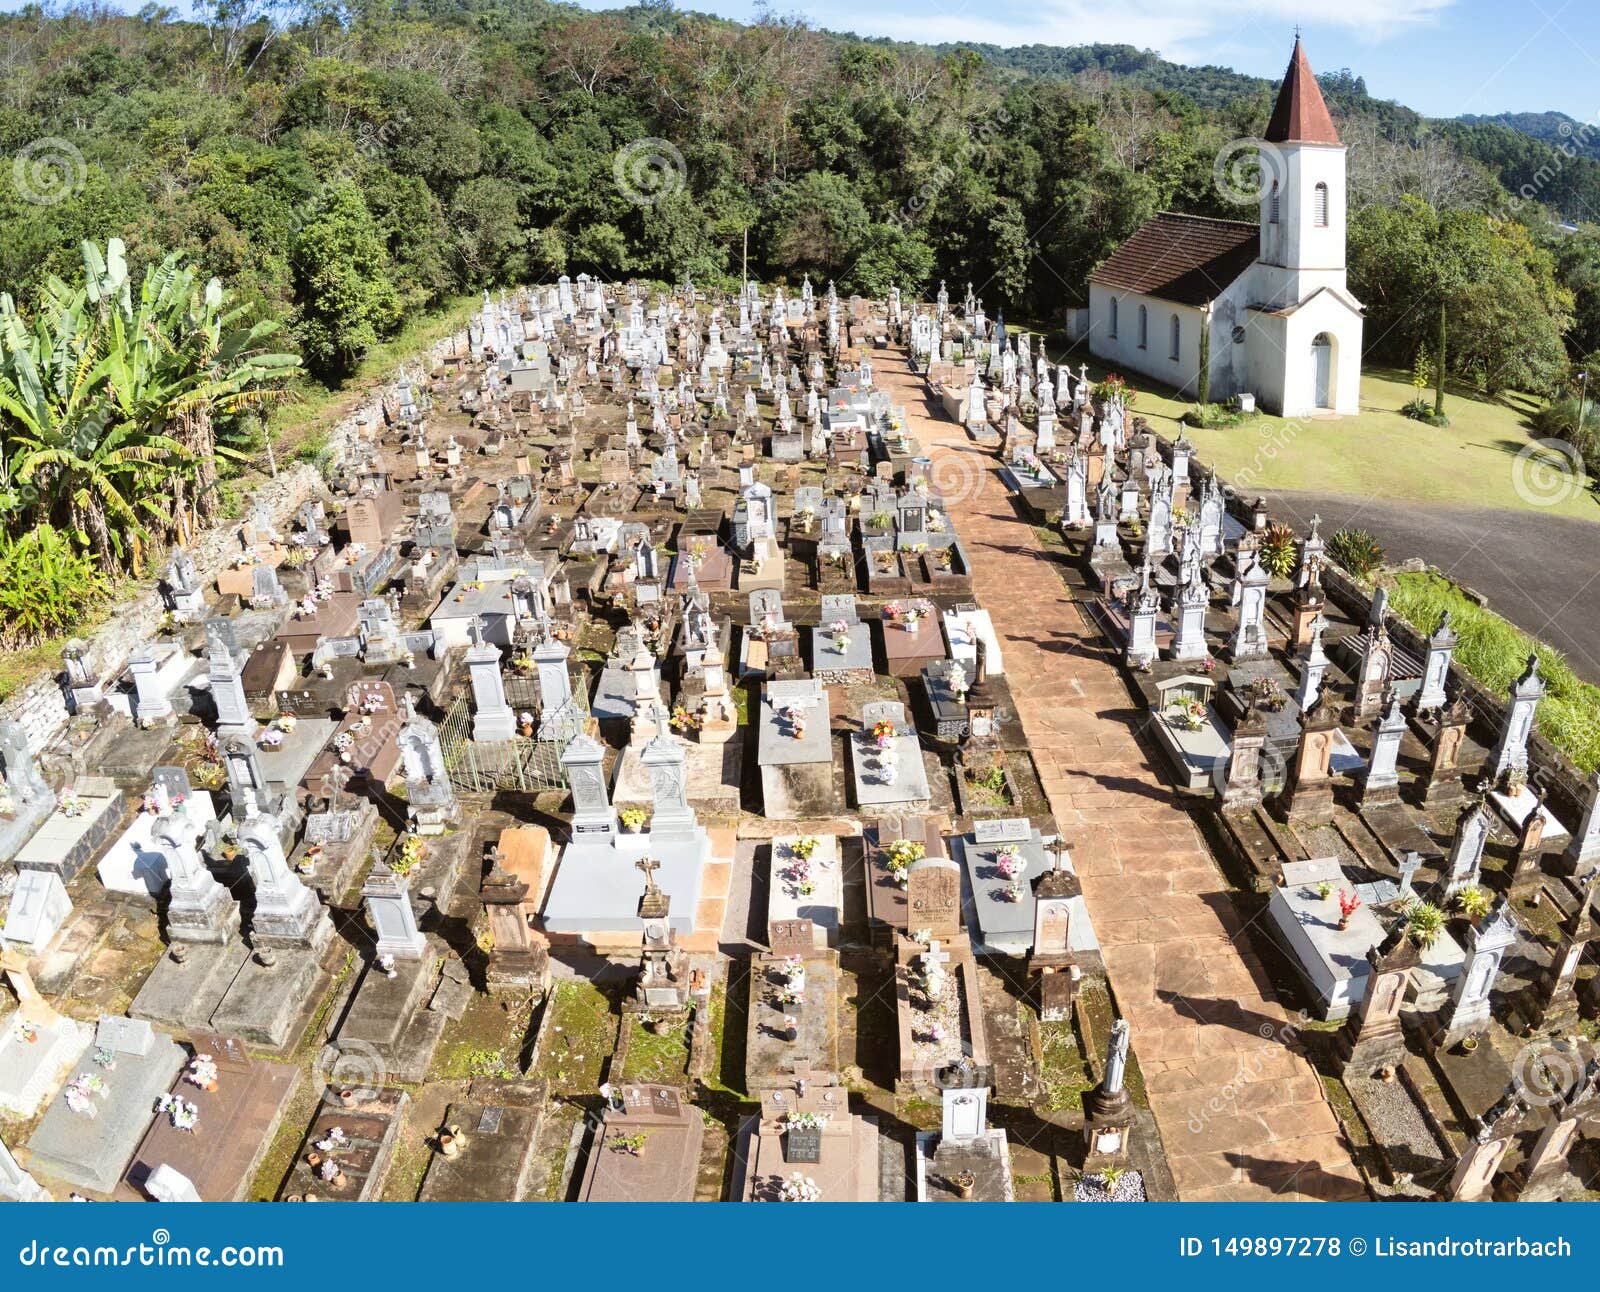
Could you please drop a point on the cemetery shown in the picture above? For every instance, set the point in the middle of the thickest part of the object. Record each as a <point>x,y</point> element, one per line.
<point>624,783</point>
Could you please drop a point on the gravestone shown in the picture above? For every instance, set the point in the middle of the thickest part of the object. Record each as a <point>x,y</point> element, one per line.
<point>933,897</point>
<point>1511,754</point>
<point>593,817</point>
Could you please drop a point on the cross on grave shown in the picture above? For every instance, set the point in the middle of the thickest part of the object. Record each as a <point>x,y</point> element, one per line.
<point>935,954</point>
<point>1409,865</point>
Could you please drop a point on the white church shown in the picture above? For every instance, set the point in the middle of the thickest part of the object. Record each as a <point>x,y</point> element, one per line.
<point>1283,325</point>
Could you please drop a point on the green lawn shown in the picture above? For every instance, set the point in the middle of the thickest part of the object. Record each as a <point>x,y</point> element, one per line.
<point>1377,453</point>
<point>1495,652</point>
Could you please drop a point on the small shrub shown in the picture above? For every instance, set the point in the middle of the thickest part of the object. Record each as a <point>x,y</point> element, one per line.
<point>1214,417</point>
<point>1357,551</point>
<point>47,585</point>
<point>1474,901</point>
<point>1418,410</point>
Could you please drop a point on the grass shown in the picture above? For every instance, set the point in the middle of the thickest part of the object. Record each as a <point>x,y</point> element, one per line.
<point>299,427</point>
<point>1495,652</point>
<point>580,1036</point>
<point>660,1059</point>
<point>1376,453</point>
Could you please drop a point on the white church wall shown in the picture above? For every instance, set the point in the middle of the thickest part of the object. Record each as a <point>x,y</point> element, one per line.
<point>1121,349</point>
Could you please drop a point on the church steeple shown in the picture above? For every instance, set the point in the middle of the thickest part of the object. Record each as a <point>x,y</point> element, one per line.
<point>1301,115</point>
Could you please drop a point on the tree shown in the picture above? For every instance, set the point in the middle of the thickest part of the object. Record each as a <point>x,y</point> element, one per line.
<point>341,268</point>
<point>109,398</point>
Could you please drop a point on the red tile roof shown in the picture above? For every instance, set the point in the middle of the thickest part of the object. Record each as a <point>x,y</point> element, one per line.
<point>1300,115</point>
<point>1186,259</point>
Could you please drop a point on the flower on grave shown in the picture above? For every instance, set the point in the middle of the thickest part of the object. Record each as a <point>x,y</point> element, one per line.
<point>683,719</point>
<point>411,851</point>
<point>334,1140</point>
<point>1009,861</point>
<point>937,523</point>
<point>72,804</point>
<point>917,547</point>
<point>329,1170</point>
<point>1187,715</point>
<point>386,965</point>
<point>805,1121</point>
<point>105,1057</point>
<point>841,634</point>
<point>1349,904</point>
<point>790,996</point>
<point>902,854</point>
<point>1012,892</point>
<point>923,936</point>
<point>1208,664</point>
<point>633,1144</point>
<point>936,1034</point>
<point>80,1091</point>
<point>270,738</point>
<point>183,1114</point>
<point>202,1072</point>
<point>25,1031</point>
<point>883,733</point>
<point>800,1188</point>
<point>344,742</point>
<point>803,846</point>
<point>933,979</point>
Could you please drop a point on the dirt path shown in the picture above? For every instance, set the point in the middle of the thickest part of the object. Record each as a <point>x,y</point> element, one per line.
<point>1241,1113</point>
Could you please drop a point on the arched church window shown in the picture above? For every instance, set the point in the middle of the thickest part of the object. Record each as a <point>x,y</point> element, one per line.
<point>1177,336</point>
<point>1113,318</point>
<point>1144,328</point>
<point>1320,208</point>
<point>1273,205</point>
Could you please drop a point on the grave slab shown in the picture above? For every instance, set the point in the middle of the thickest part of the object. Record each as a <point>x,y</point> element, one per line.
<point>237,1123</point>
<point>93,1152</point>
<point>370,1121</point>
<point>501,1127</point>
<point>786,901</point>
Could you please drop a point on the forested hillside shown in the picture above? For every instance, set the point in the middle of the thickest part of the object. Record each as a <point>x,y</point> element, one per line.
<point>343,169</point>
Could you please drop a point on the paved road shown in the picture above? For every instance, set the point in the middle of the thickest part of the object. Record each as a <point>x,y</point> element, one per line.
<point>1540,572</point>
<point>1241,1111</point>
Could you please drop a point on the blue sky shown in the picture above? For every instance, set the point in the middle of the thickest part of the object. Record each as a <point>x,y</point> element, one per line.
<point>1442,57</point>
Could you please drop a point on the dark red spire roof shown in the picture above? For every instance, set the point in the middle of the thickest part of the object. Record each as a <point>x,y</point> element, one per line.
<point>1300,115</point>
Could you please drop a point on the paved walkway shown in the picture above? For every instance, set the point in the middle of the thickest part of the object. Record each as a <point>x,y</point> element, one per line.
<point>1242,1114</point>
